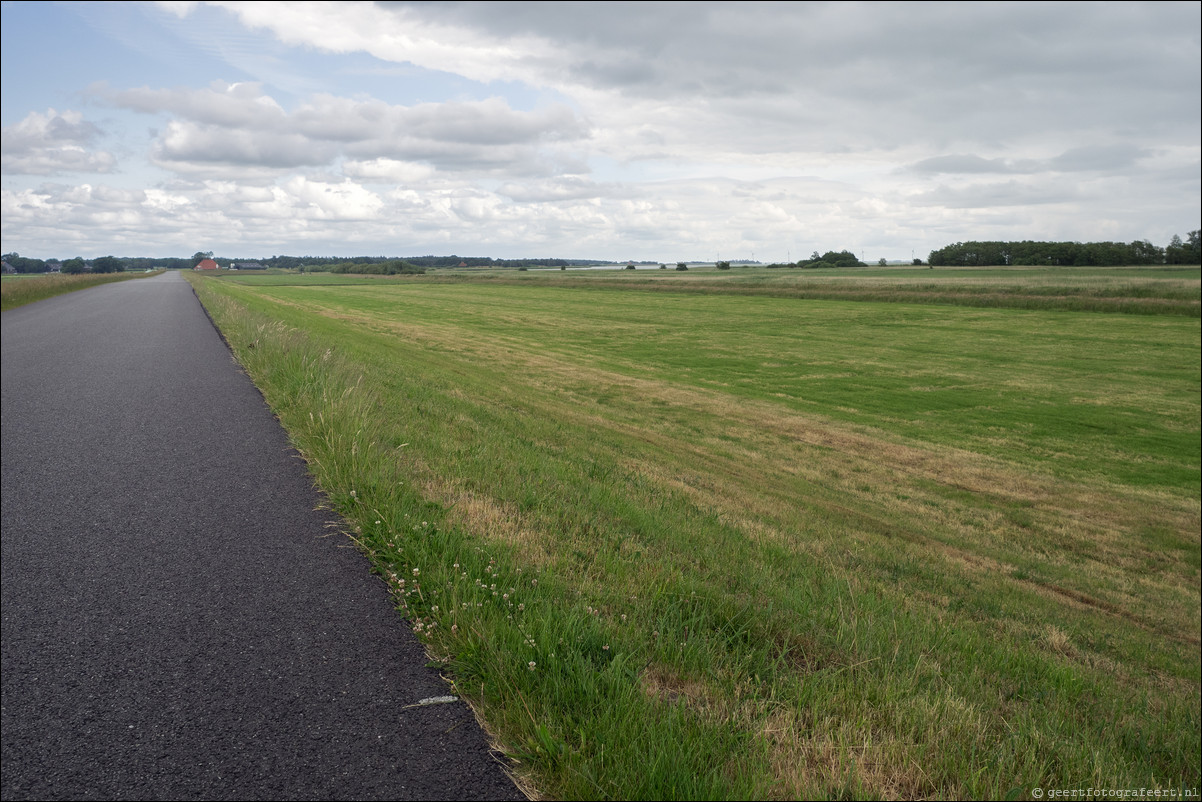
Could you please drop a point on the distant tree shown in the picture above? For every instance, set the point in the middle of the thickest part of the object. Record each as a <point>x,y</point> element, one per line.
<point>1177,252</point>
<point>75,266</point>
<point>681,266</point>
<point>882,262</point>
<point>663,267</point>
<point>107,264</point>
<point>1145,253</point>
<point>630,266</point>
<point>917,261</point>
<point>724,265</point>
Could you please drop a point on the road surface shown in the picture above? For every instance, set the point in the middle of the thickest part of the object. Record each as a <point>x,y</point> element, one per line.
<point>179,621</point>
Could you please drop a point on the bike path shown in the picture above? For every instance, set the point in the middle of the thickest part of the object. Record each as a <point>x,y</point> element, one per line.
<point>179,621</point>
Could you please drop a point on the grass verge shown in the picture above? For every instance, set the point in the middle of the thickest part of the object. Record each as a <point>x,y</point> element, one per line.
<point>27,289</point>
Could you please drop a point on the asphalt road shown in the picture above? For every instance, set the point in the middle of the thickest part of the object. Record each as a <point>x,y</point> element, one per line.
<point>179,621</point>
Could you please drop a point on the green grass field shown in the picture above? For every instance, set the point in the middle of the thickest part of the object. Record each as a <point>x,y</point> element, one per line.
<point>880,533</point>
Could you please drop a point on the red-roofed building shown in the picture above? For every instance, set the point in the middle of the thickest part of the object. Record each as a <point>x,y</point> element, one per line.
<point>205,264</point>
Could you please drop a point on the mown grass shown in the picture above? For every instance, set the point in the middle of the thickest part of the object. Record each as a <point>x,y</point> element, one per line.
<point>681,545</point>
<point>27,289</point>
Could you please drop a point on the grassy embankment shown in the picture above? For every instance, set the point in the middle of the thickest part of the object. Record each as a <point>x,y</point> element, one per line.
<point>684,544</point>
<point>20,290</point>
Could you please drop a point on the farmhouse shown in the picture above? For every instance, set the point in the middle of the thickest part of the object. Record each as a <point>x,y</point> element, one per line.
<point>205,264</point>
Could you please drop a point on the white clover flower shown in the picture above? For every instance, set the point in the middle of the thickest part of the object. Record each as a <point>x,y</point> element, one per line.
<point>532,665</point>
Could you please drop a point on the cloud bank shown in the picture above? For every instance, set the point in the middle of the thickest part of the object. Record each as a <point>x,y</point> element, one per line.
<point>612,130</point>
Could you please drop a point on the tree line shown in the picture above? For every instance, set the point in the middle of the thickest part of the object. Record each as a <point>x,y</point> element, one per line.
<point>1070,254</point>
<point>960,254</point>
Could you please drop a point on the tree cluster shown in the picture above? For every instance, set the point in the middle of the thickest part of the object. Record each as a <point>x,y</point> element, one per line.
<point>831,259</point>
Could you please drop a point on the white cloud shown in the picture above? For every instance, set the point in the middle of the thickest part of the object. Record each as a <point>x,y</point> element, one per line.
<point>53,143</point>
<point>561,188</point>
<point>385,170</point>
<point>239,125</point>
<point>343,201</point>
<point>184,146</point>
<point>222,104</point>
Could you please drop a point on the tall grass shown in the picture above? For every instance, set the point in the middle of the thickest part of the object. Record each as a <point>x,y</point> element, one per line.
<point>26,290</point>
<point>658,569</point>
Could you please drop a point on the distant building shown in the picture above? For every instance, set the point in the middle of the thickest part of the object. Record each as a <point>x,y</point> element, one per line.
<point>54,267</point>
<point>205,264</point>
<point>248,266</point>
<point>8,268</point>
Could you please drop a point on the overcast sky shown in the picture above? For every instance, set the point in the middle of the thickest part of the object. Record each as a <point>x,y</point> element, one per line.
<point>658,131</point>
